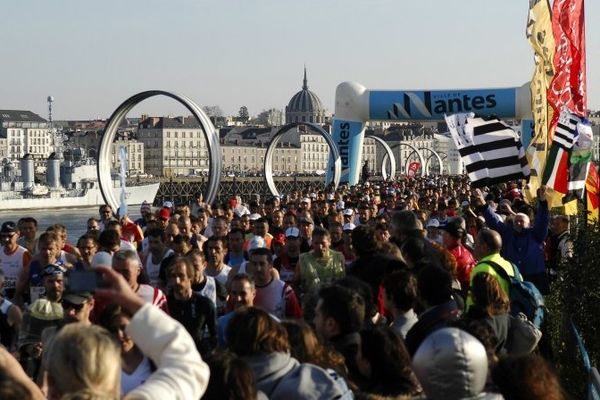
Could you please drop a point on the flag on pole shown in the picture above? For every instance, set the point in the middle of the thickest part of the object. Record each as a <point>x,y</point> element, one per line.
<point>490,150</point>
<point>540,37</point>
<point>568,87</point>
<point>579,160</point>
<point>556,172</point>
<point>592,188</point>
<point>123,176</point>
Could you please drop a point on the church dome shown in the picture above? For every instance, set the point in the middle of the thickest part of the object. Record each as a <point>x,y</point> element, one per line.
<point>305,106</point>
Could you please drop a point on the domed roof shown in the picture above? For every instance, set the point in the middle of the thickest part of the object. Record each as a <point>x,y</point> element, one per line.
<point>305,100</point>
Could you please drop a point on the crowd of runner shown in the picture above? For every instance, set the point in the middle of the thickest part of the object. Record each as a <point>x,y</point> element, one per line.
<point>392,290</point>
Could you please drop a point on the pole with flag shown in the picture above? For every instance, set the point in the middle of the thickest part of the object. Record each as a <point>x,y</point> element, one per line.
<point>541,39</point>
<point>123,176</point>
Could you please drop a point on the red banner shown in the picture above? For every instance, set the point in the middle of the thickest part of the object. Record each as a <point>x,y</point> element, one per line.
<point>413,167</point>
<point>568,87</point>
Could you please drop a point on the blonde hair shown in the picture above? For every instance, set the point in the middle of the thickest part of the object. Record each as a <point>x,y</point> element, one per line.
<point>83,362</point>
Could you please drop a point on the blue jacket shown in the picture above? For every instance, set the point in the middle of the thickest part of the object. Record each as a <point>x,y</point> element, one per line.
<point>524,249</point>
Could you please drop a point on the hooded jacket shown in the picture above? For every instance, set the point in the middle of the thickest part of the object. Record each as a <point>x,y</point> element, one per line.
<point>280,376</point>
<point>451,365</point>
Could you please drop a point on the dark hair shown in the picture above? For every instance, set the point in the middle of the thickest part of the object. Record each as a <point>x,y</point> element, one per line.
<point>157,233</point>
<point>345,307</point>
<point>234,231</point>
<point>108,315</point>
<point>230,378</point>
<point>306,348</point>
<point>252,331</point>
<point>489,295</point>
<point>414,250</point>
<point>319,231</point>
<point>243,277</point>
<point>365,291</point>
<point>262,251</point>
<point>221,239</point>
<point>31,220</point>
<point>401,288</point>
<point>111,224</point>
<point>364,241</point>
<point>391,372</point>
<point>182,239</point>
<point>435,284</point>
<point>109,238</point>
<point>87,236</point>
<point>526,377</point>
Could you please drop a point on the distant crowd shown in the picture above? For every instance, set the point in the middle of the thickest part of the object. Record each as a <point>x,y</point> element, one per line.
<point>421,288</point>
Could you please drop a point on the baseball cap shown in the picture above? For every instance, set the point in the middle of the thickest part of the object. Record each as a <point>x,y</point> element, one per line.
<point>433,223</point>
<point>102,258</point>
<point>9,227</point>
<point>454,228</point>
<point>77,298</point>
<point>168,204</point>
<point>256,242</point>
<point>53,269</point>
<point>305,200</point>
<point>306,220</point>
<point>292,232</point>
<point>255,216</point>
<point>349,227</point>
<point>348,212</point>
<point>164,213</point>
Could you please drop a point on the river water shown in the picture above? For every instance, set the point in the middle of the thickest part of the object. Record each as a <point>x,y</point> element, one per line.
<point>75,219</point>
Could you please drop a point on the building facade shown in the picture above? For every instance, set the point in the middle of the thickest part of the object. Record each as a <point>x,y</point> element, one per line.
<point>26,133</point>
<point>135,155</point>
<point>173,146</point>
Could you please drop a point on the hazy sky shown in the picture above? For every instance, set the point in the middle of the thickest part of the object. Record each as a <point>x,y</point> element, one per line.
<point>91,56</point>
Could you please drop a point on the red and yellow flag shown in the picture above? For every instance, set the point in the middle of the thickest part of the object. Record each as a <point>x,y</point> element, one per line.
<point>592,188</point>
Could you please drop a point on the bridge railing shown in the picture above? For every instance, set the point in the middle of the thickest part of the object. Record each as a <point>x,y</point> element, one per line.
<point>593,378</point>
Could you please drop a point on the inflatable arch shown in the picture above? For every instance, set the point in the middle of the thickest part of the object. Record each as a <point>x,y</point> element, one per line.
<point>355,105</point>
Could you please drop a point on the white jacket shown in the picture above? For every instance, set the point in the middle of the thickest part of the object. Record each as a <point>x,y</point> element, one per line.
<point>181,374</point>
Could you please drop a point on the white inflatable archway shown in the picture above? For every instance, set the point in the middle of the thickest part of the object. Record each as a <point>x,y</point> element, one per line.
<point>355,105</point>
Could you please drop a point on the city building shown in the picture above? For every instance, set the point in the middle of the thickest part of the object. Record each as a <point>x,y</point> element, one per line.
<point>305,106</point>
<point>26,133</point>
<point>135,154</point>
<point>173,146</point>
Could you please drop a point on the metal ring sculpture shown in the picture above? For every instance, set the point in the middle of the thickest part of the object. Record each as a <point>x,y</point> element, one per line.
<point>390,153</point>
<point>268,168</point>
<point>212,140</point>
<point>433,154</point>
<point>414,150</point>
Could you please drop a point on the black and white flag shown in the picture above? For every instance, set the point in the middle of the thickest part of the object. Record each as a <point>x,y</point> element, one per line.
<point>490,149</point>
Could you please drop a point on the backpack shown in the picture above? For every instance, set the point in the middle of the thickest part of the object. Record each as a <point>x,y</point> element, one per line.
<point>524,296</point>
